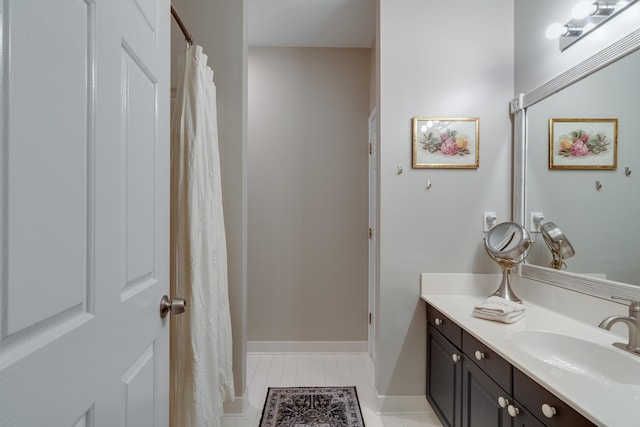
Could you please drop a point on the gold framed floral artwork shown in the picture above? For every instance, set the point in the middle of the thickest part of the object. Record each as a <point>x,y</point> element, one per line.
<point>446,142</point>
<point>583,144</point>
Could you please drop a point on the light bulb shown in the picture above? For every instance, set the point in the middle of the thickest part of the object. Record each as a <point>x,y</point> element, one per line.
<point>584,9</point>
<point>555,30</point>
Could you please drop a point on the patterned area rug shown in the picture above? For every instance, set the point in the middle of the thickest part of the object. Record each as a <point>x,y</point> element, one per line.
<point>311,407</point>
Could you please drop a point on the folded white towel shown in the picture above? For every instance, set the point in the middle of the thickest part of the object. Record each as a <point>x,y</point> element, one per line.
<point>499,306</point>
<point>512,317</point>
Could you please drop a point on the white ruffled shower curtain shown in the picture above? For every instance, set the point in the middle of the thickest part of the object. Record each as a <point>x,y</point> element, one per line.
<point>201,347</point>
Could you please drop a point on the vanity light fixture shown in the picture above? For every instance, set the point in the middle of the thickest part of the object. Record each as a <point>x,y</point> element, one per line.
<point>603,8</point>
<point>572,30</point>
<point>597,8</point>
<point>557,30</point>
<point>587,15</point>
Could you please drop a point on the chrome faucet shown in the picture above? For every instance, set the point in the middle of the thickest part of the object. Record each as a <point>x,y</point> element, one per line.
<point>632,321</point>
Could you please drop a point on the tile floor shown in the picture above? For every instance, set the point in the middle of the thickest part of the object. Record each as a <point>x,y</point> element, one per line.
<point>330,369</point>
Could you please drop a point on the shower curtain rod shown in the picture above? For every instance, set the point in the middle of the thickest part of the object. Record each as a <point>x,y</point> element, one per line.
<point>187,34</point>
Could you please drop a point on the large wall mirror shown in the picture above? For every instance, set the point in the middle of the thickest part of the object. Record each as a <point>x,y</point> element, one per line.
<point>596,209</point>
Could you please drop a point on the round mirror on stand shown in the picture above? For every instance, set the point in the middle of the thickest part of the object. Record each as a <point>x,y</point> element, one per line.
<point>508,244</point>
<point>558,244</point>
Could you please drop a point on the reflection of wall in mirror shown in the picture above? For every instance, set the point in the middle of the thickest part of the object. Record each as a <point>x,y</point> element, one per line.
<point>600,224</point>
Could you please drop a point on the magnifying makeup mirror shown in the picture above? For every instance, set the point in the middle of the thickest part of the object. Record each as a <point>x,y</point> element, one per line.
<point>508,244</point>
<point>558,244</point>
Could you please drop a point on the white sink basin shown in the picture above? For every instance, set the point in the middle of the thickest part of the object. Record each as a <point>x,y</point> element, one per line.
<point>579,357</point>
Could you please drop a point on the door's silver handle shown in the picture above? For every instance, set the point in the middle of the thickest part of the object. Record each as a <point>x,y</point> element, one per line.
<point>177,306</point>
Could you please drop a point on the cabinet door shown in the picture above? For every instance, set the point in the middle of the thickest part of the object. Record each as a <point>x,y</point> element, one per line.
<point>480,397</point>
<point>444,369</point>
<point>523,418</point>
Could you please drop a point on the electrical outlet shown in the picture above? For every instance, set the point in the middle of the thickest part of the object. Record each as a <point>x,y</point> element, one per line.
<point>488,221</point>
<point>535,221</point>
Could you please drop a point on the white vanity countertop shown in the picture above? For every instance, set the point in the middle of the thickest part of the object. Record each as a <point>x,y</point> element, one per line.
<point>603,402</point>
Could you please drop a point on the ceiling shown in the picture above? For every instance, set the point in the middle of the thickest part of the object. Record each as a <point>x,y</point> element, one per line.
<point>311,23</point>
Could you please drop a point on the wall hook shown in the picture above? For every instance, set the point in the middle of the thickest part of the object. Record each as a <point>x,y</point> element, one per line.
<point>598,185</point>
<point>400,170</point>
<point>627,171</point>
<point>428,184</point>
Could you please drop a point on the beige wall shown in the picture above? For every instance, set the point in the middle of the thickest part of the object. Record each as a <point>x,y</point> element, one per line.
<point>436,59</point>
<point>307,220</point>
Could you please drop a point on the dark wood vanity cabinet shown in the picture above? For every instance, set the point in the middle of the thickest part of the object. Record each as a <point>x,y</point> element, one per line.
<point>444,368</point>
<point>469,385</point>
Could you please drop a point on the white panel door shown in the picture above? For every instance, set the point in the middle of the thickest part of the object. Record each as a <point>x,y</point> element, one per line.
<point>84,215</point>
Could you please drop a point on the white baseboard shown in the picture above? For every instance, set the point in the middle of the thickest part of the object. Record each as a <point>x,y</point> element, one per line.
<point>238,407</point>
<point>307,346</point>
<point>388,405</point>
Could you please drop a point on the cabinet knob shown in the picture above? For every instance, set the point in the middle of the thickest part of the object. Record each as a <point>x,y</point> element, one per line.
<point>513,411</point>
<point>479,355</point>
<point>455,357</point>
<point>438,321</point>
<point>502,402</point>
<point>548,410</point>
